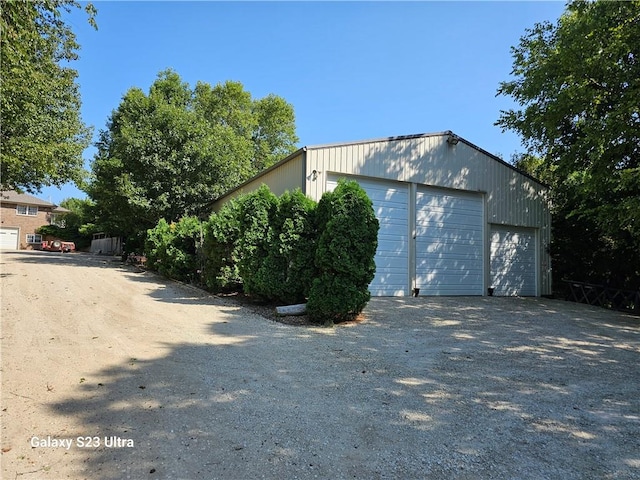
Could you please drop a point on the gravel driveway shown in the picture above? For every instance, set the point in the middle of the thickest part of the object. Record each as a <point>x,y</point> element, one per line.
<point>109,373</point>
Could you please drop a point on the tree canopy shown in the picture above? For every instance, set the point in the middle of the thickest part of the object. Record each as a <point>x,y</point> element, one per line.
<point>42,136</point>
<point>577,85</point>
<point>169,152</point>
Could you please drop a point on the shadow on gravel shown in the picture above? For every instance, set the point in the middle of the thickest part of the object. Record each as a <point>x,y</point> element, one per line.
<point>425,388</point>
<point>67,259</point>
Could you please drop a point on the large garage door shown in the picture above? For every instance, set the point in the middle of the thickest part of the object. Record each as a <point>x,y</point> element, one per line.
<point>449,243</point>
<point>513,261</point>
<point>9,238</point>
<point>390,203</point>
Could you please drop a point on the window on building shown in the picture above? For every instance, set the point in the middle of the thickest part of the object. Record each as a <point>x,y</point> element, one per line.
<point>34,238</point>
<point>27,210</point>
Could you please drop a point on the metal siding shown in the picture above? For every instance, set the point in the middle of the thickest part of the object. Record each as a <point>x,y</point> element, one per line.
<point>512,198</point>
<point>287,176</point>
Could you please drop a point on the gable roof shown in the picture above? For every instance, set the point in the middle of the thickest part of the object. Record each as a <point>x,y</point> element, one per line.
<point>446,133</point>
<point>294,154</point>
<point>11,196</point>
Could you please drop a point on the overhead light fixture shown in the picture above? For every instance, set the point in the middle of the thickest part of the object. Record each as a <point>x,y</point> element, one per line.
<point>452,139</point>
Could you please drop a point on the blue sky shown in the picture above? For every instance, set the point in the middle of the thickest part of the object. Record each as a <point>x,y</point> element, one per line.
<point>352,70</point>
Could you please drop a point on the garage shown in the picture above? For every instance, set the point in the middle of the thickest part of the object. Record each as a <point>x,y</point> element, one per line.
<point>390,203</point>
<point>454,219</point>
<point>449,242</point>
<point>9,238</point>
<point>513,261</point>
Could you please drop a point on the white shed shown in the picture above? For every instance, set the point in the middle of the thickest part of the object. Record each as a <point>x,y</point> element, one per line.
<point>454,219</point>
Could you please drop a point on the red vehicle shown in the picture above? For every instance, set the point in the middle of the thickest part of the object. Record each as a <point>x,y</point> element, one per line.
<point>58,246</point>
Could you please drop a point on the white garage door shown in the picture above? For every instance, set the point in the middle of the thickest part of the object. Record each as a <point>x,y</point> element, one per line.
<point>390,203</point>
<point>513,261</point>
<point>449,243</point>
<point>9,238</point>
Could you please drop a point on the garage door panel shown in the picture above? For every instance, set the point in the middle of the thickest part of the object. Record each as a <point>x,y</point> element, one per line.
<point>389,223</point>
<point>390,251</point>
<point>513,261</point>
<point>442,236</point>
<point>9,238</point>
<point>449,243</point>
<point>459,261</point>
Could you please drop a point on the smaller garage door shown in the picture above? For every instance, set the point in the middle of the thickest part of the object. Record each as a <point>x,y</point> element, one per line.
<point>390,203</point>
<point>9,238</point>
<point>513,261</point>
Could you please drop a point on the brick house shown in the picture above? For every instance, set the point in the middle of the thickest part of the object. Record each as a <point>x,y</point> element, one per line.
<point>20,217</point>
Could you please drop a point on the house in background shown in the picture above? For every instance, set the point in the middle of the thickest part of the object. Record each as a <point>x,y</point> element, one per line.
<point>21,215</point>
<point>454,219</point>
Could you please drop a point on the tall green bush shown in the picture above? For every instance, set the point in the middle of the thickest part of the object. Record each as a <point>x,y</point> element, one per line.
<point>220,249</point>
<point>157,241</point>
<point>172,249</point>
<point>256,211</point>
<point>287,271</point>
<point>345,253</point>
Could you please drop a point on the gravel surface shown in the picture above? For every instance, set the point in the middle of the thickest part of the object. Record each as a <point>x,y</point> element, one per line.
<point>109,372</point>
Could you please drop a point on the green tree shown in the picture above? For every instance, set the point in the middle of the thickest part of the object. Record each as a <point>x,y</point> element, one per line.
<point>266,125</point>
<point>169,153</point>
<point>577,84</point>
<point>42,136</point>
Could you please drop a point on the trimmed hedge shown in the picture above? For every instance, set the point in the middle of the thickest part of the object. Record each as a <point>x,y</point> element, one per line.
<point>220,249</point>
<point>344,255</point>
<point>286,272</point>
<point>284,250</point>
<point>256,212</point>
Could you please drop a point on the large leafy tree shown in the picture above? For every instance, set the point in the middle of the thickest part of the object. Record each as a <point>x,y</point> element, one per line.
<point>169,153</point>
<point>577,84</point>
<point>42,136</point>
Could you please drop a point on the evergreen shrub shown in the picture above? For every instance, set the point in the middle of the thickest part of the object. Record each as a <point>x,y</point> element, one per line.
<point>220,249</point>
<point>344,256</point>
<point>287,271</point>
<point>256,211</point>
<point>172,249</point>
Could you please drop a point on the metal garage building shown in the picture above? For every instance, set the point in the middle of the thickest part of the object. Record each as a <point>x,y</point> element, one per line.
<point>454,219</point>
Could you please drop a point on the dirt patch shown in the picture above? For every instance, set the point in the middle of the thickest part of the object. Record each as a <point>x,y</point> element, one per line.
<point>111,373</point>
<point>268,311</point>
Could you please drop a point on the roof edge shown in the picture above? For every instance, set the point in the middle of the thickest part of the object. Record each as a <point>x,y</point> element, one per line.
<point>381,139</point>
<point>12,196</point>
<point>289,157</point>
<point>503,162</point>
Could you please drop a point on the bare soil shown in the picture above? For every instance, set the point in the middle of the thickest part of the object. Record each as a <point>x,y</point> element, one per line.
<point>111,372</point>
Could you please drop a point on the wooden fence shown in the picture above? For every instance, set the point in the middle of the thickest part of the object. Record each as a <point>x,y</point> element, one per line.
<point>107,246</point>
<point>601,296</point>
